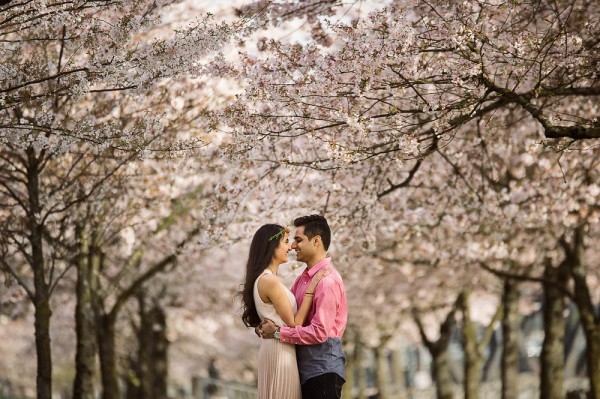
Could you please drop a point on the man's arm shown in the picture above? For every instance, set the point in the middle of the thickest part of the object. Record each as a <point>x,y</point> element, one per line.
<point>321,327</point>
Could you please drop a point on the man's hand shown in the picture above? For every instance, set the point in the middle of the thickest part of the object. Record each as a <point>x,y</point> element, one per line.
<point>266,329</point>
<point>257,330</point>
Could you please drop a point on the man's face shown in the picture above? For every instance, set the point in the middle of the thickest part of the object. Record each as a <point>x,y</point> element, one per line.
<point>304,248</point>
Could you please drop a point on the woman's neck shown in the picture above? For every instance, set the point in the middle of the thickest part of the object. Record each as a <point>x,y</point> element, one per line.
<point>274,268</point>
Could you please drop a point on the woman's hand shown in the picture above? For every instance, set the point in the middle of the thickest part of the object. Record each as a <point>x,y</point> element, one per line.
<point>316,278</point>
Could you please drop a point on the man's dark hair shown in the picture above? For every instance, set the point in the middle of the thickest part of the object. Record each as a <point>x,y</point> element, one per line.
<point>315,225</point>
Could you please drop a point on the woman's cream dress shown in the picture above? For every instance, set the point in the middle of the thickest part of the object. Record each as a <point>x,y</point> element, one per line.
<point>277,368</point>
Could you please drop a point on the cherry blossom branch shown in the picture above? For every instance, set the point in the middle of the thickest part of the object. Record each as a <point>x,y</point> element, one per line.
<point>54,284</point>
<point>461,175</point>
<point>12,194</point>
<point>394,186</point>
<point>445,330</point>
<point>66,206</point>
<point>488,333</point>
<point>523,277</point>
<point>16,276</point>
<point>150,273</point>
<point>550,130</point>
<point>45,79</point>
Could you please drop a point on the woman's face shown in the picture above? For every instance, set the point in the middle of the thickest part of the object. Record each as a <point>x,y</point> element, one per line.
<point>281,252</point>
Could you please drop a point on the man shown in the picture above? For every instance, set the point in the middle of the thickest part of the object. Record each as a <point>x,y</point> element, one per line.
<point>321,362</point>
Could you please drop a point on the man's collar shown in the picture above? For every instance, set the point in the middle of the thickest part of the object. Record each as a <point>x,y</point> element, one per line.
<point>318,266</point>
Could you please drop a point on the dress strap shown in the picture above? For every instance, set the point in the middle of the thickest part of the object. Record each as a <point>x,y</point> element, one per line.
<point>266,271</point>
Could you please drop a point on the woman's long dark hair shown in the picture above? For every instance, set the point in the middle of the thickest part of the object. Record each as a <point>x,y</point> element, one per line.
<point>261,253</point>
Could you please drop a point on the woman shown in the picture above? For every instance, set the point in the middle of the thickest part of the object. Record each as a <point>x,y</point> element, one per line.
<point>265,296</point>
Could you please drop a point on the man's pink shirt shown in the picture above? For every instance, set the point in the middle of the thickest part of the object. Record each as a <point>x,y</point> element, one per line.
<point>329,311</point>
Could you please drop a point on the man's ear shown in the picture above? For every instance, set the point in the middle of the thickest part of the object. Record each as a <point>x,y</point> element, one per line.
<point>317,240</point>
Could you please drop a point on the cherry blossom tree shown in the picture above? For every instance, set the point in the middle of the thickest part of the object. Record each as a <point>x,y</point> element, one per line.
<point>453,148</point>
<point>71,75</point>
<point>416,74</point>
<point>461,83</point>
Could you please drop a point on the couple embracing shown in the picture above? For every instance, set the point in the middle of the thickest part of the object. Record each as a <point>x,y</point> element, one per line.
<point>301,352</point>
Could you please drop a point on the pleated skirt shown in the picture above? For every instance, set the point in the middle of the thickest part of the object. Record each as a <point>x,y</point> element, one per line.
<point>278,371</point>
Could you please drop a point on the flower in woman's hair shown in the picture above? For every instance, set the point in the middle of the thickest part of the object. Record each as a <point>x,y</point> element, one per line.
<point>279,233</point>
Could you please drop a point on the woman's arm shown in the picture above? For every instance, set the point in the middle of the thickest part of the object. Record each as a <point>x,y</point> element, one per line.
<point>271,288</point>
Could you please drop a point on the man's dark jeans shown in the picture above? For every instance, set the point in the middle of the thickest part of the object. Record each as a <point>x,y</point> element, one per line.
<point>324,386</point>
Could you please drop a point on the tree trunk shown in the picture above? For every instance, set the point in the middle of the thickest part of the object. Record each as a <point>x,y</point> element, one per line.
<point>593,361</point>
<point>473,369</point>
<point>552,357</point>
<point>474,347</point>
<point>360,356</point>
<point>42,337</point>
<point>590,321</point>
<point>145,343</point>
<point>151,367</point>
<point>160,352</point>
<point>41,300</point>
<point>132,391</point>
<point>510,341</point>
<point>106,324</point>
<point>441,374</point>
<point>347,388</point>
<point>473,363</point>
<point>85,322</point>
<point>108,360</point>
<point>439,353</point>
<point>152,362</point>
<point>382,372</point>
<point>398,376</point>
<point>105,333</point>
